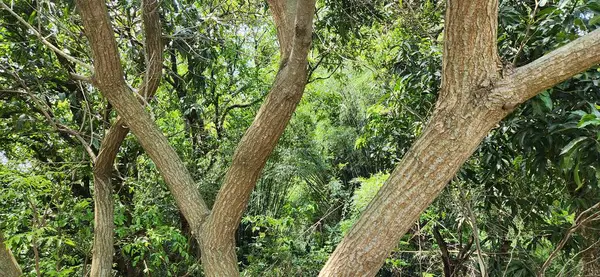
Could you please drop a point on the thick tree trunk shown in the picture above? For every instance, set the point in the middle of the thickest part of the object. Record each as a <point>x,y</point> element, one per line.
<point>217,237</point>
<point>103,248</point>
<point>8,264</point>
<point>218,240</point>
<point>109,79</point>
<point>475,95</point>
<point>102,258</point>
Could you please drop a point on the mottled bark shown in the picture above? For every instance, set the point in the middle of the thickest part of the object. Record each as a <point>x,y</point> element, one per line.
<point>476,94</point>
<point>8,264</point>
<point>103,248</point>
<point>218,241</point>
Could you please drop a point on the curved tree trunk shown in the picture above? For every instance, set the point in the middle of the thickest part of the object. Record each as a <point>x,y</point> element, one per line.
<point>8,264</point>
<point>294,25</point>
<point>476,94</point>
<point>109,79</point>
<point>102,258</point>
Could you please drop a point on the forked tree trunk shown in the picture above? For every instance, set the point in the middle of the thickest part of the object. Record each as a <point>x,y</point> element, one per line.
<point>103,249</point>
<point>8,264</point>
<point>109,79</point>
<point>476,94</point>
<point>294,24</point>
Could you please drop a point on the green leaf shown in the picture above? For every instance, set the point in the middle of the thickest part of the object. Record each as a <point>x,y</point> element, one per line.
<point>69,242</point>
<point>595,20</point>
<point>577,178</point>
<point>545,97</point>
<point>588,119</point>
<point>572,144</point>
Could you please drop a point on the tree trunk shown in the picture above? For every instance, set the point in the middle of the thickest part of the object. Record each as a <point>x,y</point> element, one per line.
<point>218,240</point>
<point>476,94</point>
<point>103,248</point>
<point>8,264</point>
<point>109,79</point>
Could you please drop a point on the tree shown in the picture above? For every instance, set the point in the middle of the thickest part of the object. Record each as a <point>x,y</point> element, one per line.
<point>477,92</point>
<point>215,232</point>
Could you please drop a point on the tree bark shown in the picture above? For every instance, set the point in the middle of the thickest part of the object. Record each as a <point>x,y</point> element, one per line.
<point>103,248</point>
<point>8,264</point>
<point>294,25</point>
<point>217,237</point>
<point>476,94</point>
<point>109,79</point>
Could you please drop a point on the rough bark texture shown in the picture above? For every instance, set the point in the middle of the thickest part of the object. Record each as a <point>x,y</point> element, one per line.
<point>284,15</point>
<point>475,95</point>
<point>218,241</point>
<point>102,258</point>
<point>103,203</point>
<point>109,79</point>
<point>8,264</point>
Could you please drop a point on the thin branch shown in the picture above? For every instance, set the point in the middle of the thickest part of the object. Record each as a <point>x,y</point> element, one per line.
<point>82,78</point>
<point>46,42</point>
<point>238,106</point>
<point>578,223</point>
<point>311,68</point>
<point>527,33</point>
<point>45,110</point>
<point>473,222</point>
<point>328,76</point>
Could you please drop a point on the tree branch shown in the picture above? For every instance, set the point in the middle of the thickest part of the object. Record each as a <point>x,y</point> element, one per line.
<point>237,106</point>
<point>283,12</point>
<point>153,47</point>
<point>446,259</point>
<point>549,70</point>
<point>46,42</point>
